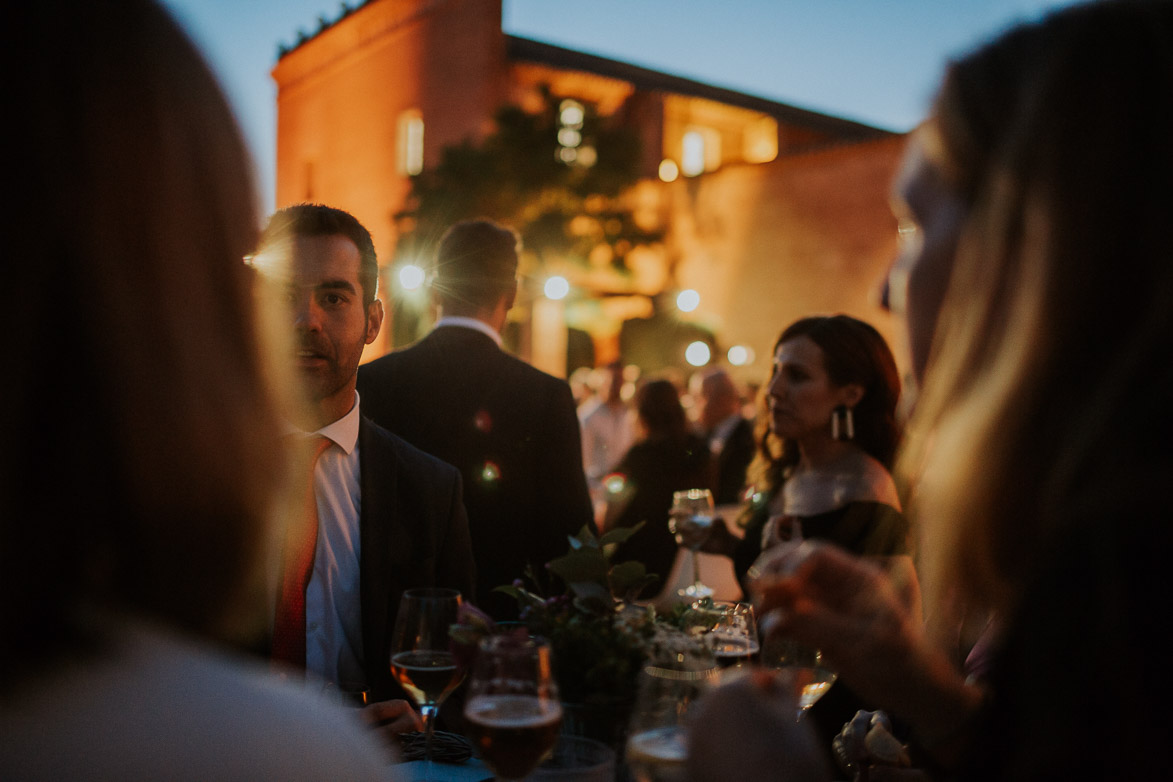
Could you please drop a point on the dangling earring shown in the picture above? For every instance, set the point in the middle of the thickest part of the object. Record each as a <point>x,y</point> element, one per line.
<point>846,429</point>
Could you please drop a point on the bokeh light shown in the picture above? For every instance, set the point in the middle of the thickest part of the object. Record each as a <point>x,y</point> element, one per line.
<point>490,473</point>
<point>411,277</point>
<point>668,170</point>
<point>571,113</point>
<point>740,355</point>
<point>697,354</point>
<point>688,300</point>
<point>557,288</point>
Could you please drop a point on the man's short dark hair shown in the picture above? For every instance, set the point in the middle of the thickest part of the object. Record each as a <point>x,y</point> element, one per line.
<point>321,220</point>
<point>476,263</point>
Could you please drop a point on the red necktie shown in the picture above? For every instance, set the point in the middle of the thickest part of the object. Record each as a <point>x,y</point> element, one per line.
<point>297,564</point>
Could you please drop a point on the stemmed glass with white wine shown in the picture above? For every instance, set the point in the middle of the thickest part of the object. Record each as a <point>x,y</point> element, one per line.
<point>689,519</point>
<point>421,657</point>
<point>513,710</point>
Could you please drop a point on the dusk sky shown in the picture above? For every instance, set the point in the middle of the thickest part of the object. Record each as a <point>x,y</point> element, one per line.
<point>874,61</point>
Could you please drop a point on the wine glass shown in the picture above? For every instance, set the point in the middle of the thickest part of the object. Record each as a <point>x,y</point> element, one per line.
<point>734,633</point>
<point>513,711</point>
<point>690,517</point>
<point>807,670</point>
<point>657,743</point>
<point>421,658</point>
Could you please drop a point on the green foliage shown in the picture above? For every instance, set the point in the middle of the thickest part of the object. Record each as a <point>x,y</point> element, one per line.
<point>514,176</point>
<point>599,639</point>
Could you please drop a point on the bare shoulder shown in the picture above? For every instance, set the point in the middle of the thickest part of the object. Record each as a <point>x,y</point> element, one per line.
<point>853,477</point>
<point>872,480</point>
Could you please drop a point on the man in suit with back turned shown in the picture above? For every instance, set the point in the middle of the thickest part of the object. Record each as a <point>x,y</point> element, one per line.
<point>510,428</point>
<point>383,516</point>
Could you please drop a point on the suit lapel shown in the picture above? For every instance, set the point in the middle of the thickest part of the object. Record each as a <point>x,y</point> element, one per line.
<point>383,544</point>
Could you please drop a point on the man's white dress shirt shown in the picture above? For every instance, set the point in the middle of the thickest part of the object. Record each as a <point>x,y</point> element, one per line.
<point>333,609</point>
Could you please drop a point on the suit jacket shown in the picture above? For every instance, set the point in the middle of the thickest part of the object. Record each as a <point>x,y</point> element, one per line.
<point>732,463</point>
<point>512,432</point>
<point>413,532</point>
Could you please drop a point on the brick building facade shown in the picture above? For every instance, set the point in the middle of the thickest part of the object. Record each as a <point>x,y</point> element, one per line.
<point>773,212</point>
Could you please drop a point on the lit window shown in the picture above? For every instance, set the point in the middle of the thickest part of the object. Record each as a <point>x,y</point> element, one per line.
<point>700,151</point>
<point>411,142</point>
<point>571,115</point>
<point>692,158</point>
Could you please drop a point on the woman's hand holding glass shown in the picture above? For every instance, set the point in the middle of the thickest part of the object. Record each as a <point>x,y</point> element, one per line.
<point>690,519</point>
<point>848,608</point>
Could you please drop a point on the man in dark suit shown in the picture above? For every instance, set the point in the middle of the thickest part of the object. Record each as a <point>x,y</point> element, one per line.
<point>510,429</point>
<point>729,434</point>
<point>383,516</point>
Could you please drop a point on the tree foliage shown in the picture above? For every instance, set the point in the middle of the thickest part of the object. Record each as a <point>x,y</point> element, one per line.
<point>515,176</point>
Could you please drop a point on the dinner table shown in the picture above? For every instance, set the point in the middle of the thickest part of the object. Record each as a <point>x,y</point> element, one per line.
<point>575,759</point>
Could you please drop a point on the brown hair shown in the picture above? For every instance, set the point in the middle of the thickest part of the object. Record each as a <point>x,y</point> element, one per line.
<point>137,385</point>
<point>1050,375</point>
<point>853,352</point>
<point>476,264</point>
<point>321,220</point>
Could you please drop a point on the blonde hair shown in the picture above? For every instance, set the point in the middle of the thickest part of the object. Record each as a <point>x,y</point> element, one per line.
<point>1049,380</point>
<point>139,382</point>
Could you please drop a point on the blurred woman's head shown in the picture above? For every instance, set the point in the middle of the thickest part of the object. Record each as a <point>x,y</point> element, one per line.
<point>136,387</point>
<point>1048,370</point>
<point>661,415</point>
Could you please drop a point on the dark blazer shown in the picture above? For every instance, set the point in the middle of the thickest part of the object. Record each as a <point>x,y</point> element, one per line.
<point>732,463</point>
<point>653,470</point>
<point>413,532</point>
<point>512,432</point>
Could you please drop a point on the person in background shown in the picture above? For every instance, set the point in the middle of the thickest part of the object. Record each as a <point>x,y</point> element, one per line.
<point>580,386</point>
<point>389,516</point>
<point>1035,287</point>
<point>509,428</point>
<point>144,475</point>
<point>730,436</point>
<point>608,427</point>
<point>665,458</point>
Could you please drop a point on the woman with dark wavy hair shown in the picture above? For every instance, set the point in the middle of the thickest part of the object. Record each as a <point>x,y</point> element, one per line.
<point>826,437</point>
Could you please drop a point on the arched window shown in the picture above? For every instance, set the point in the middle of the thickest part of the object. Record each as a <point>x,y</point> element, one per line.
<point>411,142</point>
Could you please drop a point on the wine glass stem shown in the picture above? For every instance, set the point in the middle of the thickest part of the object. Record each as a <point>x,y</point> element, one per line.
<point>429,715</point>
<point>696,569</point>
